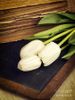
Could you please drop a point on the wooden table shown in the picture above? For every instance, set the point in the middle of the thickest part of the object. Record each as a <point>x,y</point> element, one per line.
<point>65,92</point>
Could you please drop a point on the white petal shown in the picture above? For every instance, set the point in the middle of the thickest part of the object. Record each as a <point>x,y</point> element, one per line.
<point>29,64</point>
<point>50,53</point>
<point>31,48</point>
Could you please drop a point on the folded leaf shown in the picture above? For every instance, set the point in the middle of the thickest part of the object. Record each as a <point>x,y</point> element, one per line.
<point>38,37</point>
<point>69,15</point>
<point>54,18</point>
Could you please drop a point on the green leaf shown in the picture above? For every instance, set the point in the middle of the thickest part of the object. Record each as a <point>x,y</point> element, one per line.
<point>68,15</point>
<point>70,53</point>
<point>43,37</point>
<point>55,30</point>
<point>53,18</point>
<point>38,37</point>
<point>72,39</point>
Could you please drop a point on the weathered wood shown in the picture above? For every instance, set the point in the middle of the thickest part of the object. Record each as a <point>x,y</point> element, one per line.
<point>22,90</point>
<point>22,3</point>
<point>71,5</point>
<point>30,11</point>
<point>17,23</point>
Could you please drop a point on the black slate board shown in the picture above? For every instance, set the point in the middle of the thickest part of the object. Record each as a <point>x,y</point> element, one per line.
<point>37,79</point>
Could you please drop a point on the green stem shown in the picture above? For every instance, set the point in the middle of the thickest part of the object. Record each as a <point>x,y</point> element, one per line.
<point>32,37</point>
<point>64,47</point>
<point>58,36</point>
<point>55,30</point>
<point>66,38</point>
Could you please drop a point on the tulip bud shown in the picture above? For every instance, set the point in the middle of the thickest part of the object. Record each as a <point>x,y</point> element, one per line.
<point>50,53</point>
<point>29,64</point>
<point>31,48</point>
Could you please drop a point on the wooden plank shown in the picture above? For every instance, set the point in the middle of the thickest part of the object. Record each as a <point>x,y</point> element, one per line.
<point>71,5</point>
<point>23,22</point>
<point>16,87</point>
<point>7,4</point>
<point>30,11</point>
<point>20,33</point>
<point>16,26</point>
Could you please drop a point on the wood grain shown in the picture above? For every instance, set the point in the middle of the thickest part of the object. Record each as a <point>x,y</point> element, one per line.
<point>30,10</point>
<point>6,4</point>
<point>17,23</point>
<point>71,5</point>
<point>26,91</point>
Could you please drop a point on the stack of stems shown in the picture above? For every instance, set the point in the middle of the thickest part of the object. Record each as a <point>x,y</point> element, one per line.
<point>58,36</point>
<point>70,32</point>
<point>53,31</point>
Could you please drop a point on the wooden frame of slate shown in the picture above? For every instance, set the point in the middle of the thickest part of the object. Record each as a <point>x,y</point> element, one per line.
<point>50,88</point>
<point>40,84</point>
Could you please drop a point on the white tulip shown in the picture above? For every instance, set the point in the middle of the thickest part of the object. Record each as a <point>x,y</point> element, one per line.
<point>50,53</point>
<point>31,48</point>
<point>29,64</point>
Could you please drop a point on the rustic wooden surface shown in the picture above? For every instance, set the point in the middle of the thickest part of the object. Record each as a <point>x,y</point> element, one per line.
<point>20,22</point>
<point>71,5</point>
<point>7,4</point>
<point>65,92</point>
